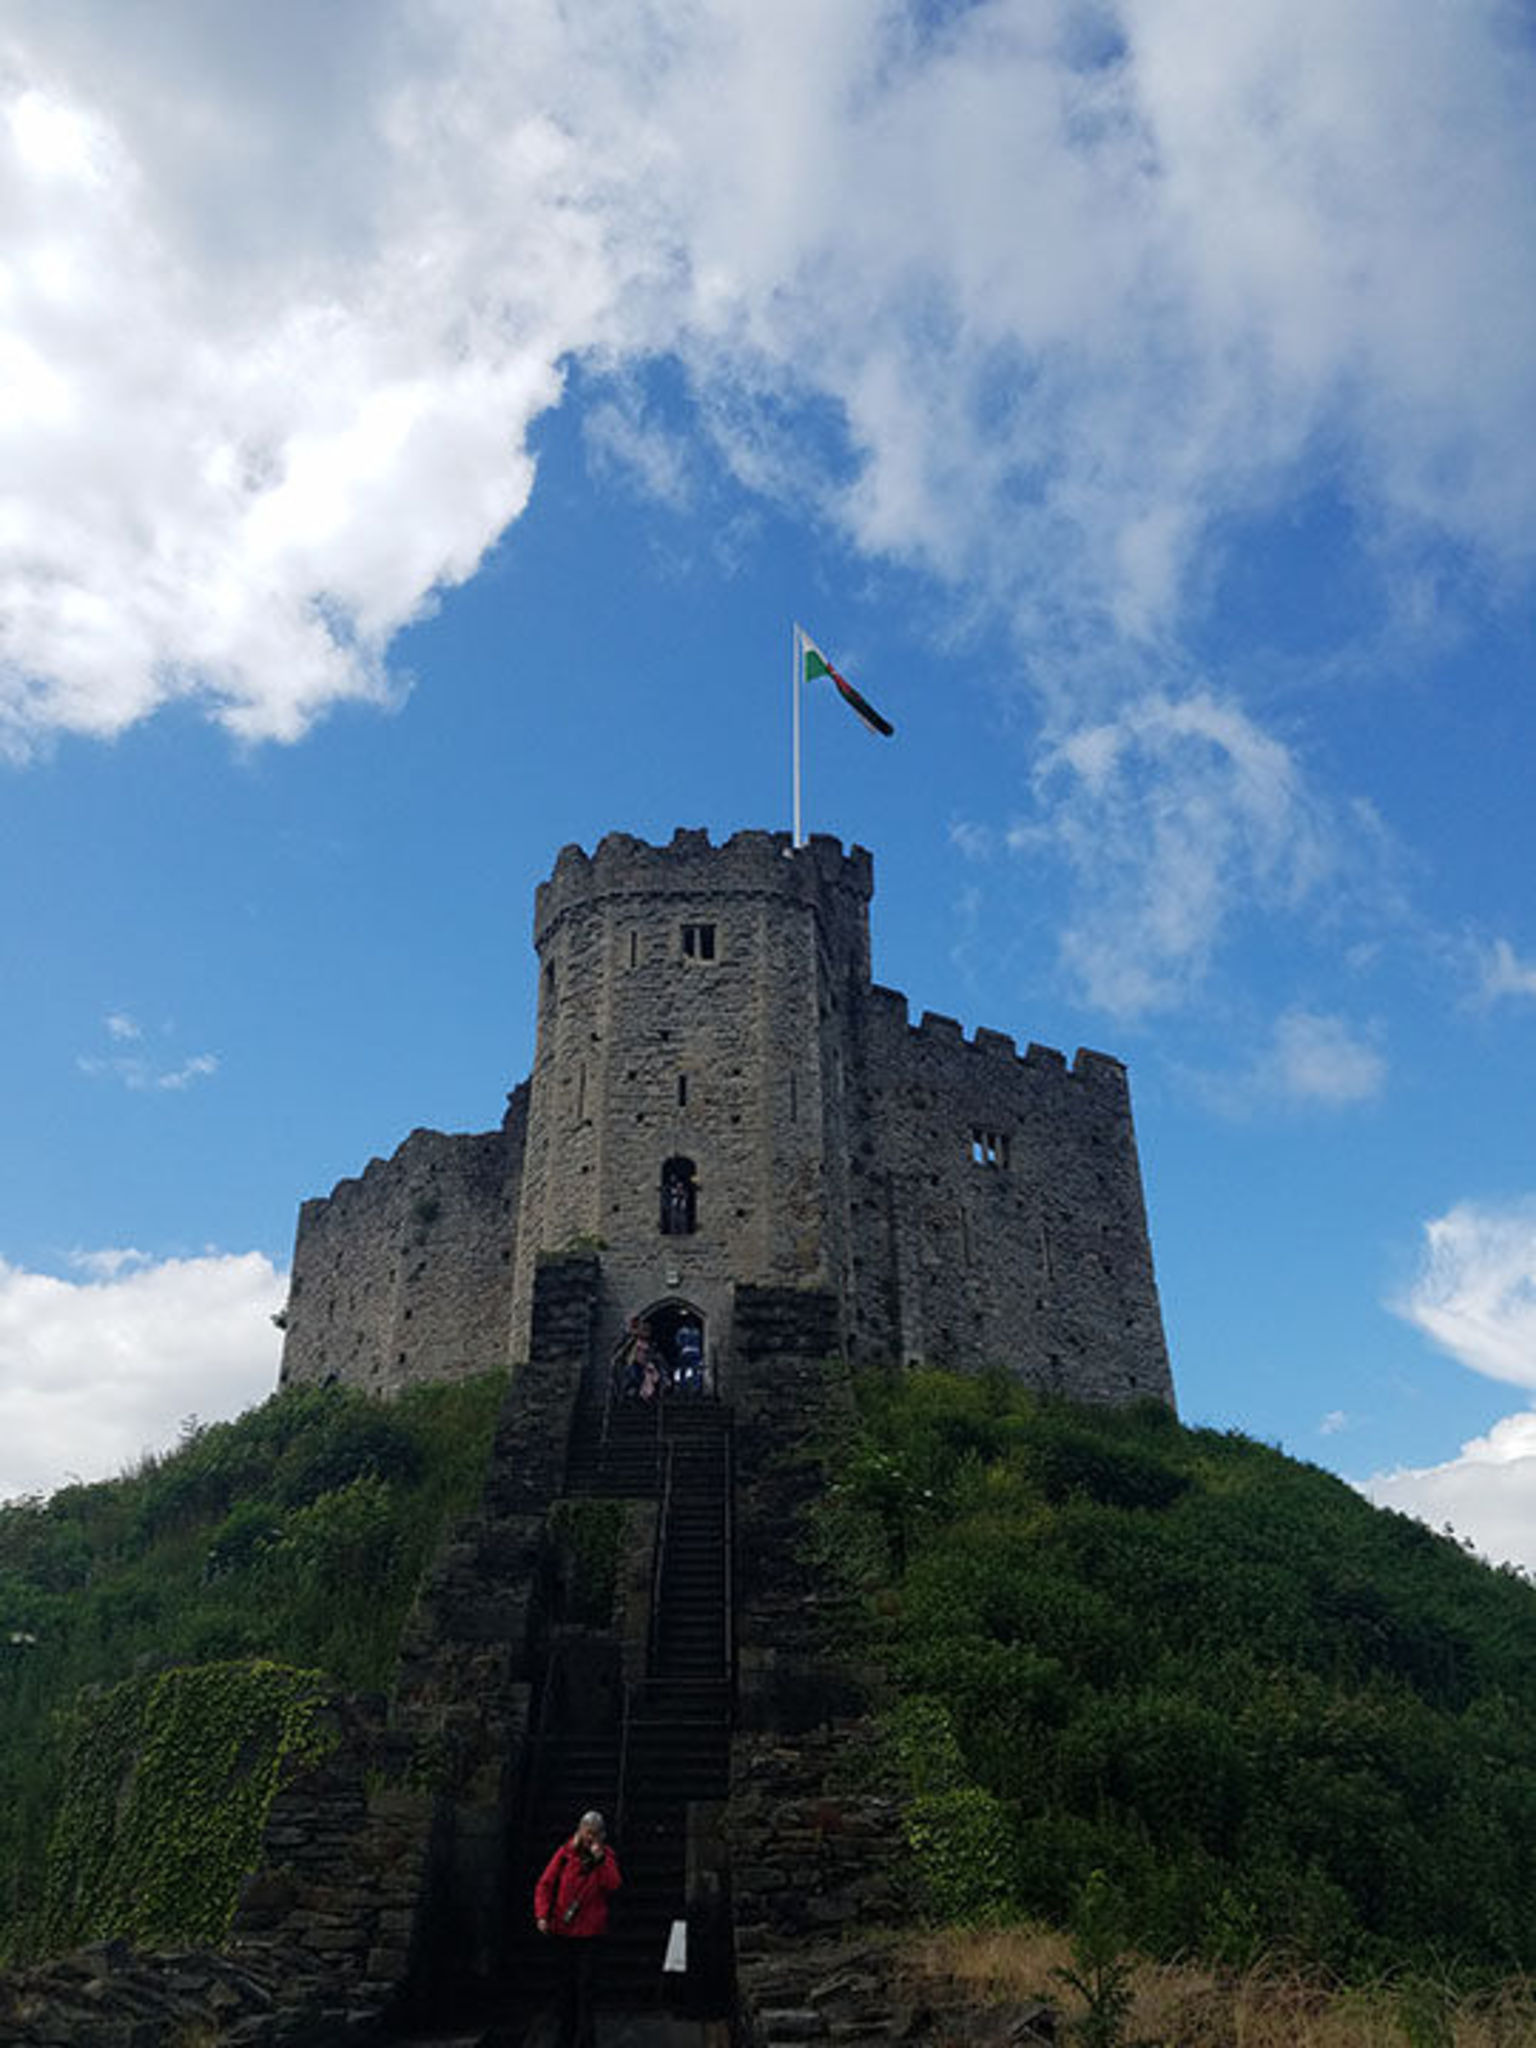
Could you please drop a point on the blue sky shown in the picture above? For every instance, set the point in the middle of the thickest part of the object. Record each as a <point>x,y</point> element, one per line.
<point>421,424</point>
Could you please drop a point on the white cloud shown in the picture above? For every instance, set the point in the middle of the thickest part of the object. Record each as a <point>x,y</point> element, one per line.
<point>1505,973</point>
<point>1475,1297</point>
<point>1310,1060</point>
<point>1335,1420</point>
<point>94,1372</point>
<point>142,1075</point>
<point>1475,1292</point>
<point>1172,818</point>
<point>1321,1059</point>
<point>621,440</point>
<point>138,1070</point>
<point>284,290</point>
<point>974,841</point>
<point>1487,1494</point>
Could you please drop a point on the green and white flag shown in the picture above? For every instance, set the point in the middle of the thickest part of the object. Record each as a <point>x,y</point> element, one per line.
<point>817,665</point>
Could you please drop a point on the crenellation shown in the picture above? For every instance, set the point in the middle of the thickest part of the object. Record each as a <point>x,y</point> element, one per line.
<point>946,1029</point>
<point>887,1013</point>
<point>721,1097</point>
<point>1099,1067</point>
<point>998,1044</point>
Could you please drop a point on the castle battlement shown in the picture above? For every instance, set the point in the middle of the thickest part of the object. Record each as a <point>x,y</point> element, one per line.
<point>721,1098</point>
<point>890,1011</point>
<point>749,863</point>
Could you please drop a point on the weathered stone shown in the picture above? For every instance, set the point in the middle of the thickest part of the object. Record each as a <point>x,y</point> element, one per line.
<point>713,1005</point>
<point>791,2024</point>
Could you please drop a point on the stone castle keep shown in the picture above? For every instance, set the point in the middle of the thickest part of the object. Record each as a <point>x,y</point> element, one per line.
<point>721,1097</point>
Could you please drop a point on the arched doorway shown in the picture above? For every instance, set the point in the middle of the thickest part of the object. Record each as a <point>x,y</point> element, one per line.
<point>676,1336</point>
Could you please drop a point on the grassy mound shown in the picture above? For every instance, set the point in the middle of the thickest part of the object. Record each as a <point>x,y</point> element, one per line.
<point>1278,1718</point>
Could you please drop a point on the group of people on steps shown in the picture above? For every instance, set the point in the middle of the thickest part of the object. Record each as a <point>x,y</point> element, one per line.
<point>647,1367</point>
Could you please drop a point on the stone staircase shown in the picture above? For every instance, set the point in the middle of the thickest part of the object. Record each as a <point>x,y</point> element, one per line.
<point>671,1747</point>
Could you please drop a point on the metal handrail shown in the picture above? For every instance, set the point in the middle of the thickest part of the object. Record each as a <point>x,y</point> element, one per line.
<point>658,1566</point>
<point>533,1776</point>
<point>621,1792</point>
<point>613,1387</point>
<point>728,1545</point>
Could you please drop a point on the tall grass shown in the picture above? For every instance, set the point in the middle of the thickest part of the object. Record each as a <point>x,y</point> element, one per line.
<point>1271,2004</point>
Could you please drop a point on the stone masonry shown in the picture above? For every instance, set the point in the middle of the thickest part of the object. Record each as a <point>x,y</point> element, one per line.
<point>722,1096</point>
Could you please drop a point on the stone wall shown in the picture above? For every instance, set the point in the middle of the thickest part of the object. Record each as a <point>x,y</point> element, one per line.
<point>998,1212</point>
<point>335,1913</point>
<point>405,1274</point>
<point>323,1940</point>
<point>814,1832</point>
<point>476,1639</point>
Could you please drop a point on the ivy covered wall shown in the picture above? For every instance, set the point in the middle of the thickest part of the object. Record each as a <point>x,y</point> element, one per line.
<point>167,1787</point>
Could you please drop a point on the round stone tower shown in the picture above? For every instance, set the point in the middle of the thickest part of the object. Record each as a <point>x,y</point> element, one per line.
<point>686,1113</point>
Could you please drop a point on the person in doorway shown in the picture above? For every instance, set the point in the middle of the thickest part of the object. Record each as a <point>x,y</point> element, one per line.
<point>570,1905</point>
<point>690,1358</point>
<point>632,1358</point>
<point>649,1381</point>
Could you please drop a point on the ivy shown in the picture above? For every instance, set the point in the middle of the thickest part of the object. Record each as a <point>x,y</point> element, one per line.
<point>588,1535</point>
<point>169,1780</point>
<point>960,1835</point>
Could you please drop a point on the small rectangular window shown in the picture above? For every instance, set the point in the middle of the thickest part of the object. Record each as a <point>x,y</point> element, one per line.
<point>988,1148</point>
<point>698,942</point>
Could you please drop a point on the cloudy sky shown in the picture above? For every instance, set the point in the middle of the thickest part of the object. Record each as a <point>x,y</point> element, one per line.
<point>420,423</point>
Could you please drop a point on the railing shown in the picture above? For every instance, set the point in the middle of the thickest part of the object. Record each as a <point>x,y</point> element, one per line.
<point>727,1548</point>
<point>659,1562</point>
<point>621,1794</point>
<point>614,1372</point>
<point>534,1774</point>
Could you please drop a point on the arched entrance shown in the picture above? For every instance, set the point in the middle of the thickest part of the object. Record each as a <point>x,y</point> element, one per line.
<point>676,1339</point>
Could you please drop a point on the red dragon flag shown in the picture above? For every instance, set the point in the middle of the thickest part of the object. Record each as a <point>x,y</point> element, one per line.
<point>817,664</point>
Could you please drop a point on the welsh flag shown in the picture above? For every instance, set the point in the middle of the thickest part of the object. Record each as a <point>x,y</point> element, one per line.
<point>817,664</point>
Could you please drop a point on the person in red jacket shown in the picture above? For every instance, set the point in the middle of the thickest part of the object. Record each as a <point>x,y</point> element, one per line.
<point>570,1904</point>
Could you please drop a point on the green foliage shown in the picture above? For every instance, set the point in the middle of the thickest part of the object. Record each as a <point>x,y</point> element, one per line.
<point>1274,1716</point>
<point>587,1535</point>
<point>363,1443</point>
<point>295,1535</point>
<point>167,1786</point>
<point>960,1836</point>
<point>1425,2012</point>
<point>1100,1972</point>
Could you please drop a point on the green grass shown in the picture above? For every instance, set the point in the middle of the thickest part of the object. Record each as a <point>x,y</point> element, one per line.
<point>1276,1716</point>
<point>296,1534</point>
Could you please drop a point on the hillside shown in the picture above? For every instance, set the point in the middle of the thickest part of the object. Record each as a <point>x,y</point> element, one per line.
<point>1276,1717</point>
<point>1278,1720</point>
<point>294,1537</point>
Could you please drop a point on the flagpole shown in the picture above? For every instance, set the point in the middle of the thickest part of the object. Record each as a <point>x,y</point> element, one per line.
<point>796,665</point>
